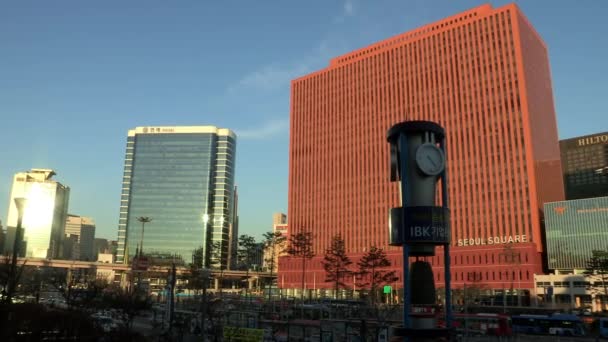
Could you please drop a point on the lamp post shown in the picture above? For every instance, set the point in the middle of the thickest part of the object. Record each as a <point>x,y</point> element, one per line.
<point>12,279</point>
<point>139,256</point>
<point>143,220</point>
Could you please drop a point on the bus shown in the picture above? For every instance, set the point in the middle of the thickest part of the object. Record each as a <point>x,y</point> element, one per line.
<point>483,324</point>
<point>557,324</point>
<point>603,327</point>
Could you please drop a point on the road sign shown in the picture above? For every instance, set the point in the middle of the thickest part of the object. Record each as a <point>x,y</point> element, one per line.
<point>388,289</point>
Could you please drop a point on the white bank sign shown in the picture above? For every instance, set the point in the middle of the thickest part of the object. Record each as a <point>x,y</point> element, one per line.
<point>493,240</point>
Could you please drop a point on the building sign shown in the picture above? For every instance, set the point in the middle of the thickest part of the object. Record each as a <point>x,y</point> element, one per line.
<point>591,210</point>
<point>598,139</point>
<point>426,225</point>
<point>158,130</point>
<point>493,240</point>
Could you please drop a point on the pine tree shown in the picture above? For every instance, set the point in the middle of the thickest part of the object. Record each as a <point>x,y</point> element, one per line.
<point>372,271</point>
<point>245,253</point>
<point>336,264</point>
<point>300,246</point>
<point>272,241</point>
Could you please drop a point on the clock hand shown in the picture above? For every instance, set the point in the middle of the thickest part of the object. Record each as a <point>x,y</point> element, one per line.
<point>431,160</point>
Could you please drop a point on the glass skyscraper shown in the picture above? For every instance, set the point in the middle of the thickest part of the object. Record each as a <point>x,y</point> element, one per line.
<point>182,178</point>
<point>574,229</point>
<point>44,214</point>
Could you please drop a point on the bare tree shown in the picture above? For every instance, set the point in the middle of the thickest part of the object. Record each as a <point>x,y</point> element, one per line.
<point>597,267</point>
<point>10,277</point>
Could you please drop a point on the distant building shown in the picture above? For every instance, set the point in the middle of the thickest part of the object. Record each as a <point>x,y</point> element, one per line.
<point>233,236</point>
<point>83,245</point>
<point>182,177</point>
<point>573,230</point>
<point>44,214</point>
<point>104,246</point>
<point>585,166</point>
<point>106,258</point>
<point>279,218</point>
<point>279,249</point>
<point>570,291</point>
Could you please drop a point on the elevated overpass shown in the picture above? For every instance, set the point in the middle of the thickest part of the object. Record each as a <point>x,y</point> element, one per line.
<point>112,270</point>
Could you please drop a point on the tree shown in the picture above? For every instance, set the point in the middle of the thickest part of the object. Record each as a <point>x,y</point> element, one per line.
<point>272,242</point>
<point>10,276</point>
<point>513,257</point>
<point>300,246</point>
<point>373,271</point>
<point>127,301</point>
<point>245,254</point>
<point>597,266</point>
<point>336,264</point>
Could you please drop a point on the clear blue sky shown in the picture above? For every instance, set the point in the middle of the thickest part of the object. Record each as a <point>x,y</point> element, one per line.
<point>76,75</point>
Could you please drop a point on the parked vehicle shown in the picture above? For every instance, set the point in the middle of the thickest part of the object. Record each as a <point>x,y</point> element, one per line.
<point>557,324</point>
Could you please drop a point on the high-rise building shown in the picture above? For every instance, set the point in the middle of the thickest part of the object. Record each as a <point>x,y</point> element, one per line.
<point>182,178</point>
<point>103,246</point>
<point>585,165</point>
<point>574,229</point>
<point>484,76</point>
<point>44,214</point>
<point>279,218</point>
<point>80,238</point>
<point>2,238</point>
<point>233,236</point>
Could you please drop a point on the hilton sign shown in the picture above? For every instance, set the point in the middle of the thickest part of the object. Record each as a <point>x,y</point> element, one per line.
<point>597,139</point>
<point>493,240</point>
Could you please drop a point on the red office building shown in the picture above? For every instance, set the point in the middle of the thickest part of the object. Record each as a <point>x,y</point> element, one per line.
<point>484,76</point>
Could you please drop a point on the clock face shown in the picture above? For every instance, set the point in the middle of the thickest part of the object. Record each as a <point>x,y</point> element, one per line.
<point>430,159</point>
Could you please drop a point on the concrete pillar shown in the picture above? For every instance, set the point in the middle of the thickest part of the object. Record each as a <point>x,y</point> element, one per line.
<point>571,291</point>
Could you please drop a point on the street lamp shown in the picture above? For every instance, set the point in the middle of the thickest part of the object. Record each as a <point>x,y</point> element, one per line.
<point>143,220</point>
<point>12,279</point>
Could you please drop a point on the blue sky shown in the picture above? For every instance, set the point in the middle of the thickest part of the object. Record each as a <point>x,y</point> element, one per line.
<point>76,75</point>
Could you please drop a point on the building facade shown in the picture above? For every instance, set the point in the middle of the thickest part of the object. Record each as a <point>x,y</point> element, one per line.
<point>279,218</point>
<point>182,178</point>
<point>574,229</point>
<point>585,165</point>
<point>80,235</point>
<point>483,75</point>
<point>571,291</point>
<point>44,214</point>
<point>272,253</point>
